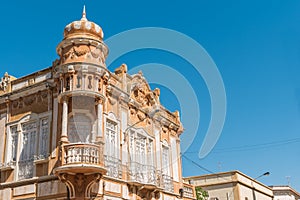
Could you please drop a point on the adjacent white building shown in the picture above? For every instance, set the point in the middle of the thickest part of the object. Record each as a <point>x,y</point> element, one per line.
<point>285,193</point>
<point>232,185</point>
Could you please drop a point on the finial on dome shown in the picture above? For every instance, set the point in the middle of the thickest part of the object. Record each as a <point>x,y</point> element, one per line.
<point>83,14</point>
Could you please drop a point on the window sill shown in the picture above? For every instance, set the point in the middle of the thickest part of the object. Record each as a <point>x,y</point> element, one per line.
<point>41,161</point>
<point>7,168</point>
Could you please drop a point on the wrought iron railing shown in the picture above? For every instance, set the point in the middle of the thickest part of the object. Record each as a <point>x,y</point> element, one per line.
<point>140,173</point>
<point>26,169</point>
<point>113,166</point>
<point>80,153</point>
<point>167,183</point>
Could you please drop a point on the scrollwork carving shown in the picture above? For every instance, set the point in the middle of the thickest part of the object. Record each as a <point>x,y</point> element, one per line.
<point>81,50</point>
<point>111,100</point>
<point>141,93</point>
<point>29,100</point>
<point>21,102</point>
<point>15,104</point>
<point>96,53</point>
<point>80,183</point>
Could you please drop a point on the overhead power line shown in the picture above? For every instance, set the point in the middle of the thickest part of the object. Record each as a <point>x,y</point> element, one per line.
<point>254,146</point>
<point>198,165</point>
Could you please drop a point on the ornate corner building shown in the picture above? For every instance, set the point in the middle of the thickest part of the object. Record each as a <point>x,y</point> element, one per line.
<point>76,130</point>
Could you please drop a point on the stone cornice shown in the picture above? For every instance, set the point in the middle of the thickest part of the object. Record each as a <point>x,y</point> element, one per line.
<point>31,89</point>
<point>28,181</point>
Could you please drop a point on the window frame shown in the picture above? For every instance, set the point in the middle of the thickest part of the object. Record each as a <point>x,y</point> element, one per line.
<point>116,153</point>
<point>165,167</point>
<point>133,156</point>
<point>19,124</point>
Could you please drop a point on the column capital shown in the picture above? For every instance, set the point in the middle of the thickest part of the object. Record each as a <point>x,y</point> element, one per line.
<point>63,98</point>
<point>100,100</point>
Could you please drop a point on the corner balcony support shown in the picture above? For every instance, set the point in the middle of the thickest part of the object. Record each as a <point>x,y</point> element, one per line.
<point>81,169</point>
<point>80,185</point>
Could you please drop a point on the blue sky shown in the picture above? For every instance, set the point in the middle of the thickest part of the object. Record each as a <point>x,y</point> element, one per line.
<point>255,45</point>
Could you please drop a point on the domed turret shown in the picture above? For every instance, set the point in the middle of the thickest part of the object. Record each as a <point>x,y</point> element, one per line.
<point>83,42</point>
<point>84,28</point>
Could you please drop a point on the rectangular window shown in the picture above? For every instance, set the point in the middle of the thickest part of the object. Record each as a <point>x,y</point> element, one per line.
<point>150,154</point>
<point>141,165</point>
<point>29,133</point>
<point>43,139</point>
<point>28,150</point>
<point>140,149</point>
<point>26,142</point>
<point>14,143</point>
<point>165,160</point>
<point>111,138</point>
<point>112,161</point>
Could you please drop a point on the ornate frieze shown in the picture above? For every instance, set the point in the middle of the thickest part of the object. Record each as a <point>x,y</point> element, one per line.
<point>39,97</point>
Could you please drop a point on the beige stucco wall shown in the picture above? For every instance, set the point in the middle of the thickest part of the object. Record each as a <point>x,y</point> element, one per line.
<point>224,191</point>
<point>232,185</point>
<point>5,194</point>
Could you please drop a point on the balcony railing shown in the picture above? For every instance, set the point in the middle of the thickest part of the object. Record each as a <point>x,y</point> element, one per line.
<point>113,167</point>
<point>143,174</point>
<point>167,183</point>
<point>188,191</point>
<point>79,153</point>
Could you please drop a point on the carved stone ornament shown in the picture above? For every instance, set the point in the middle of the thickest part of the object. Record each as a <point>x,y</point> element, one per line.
<point>164,129</point>
<point>121,70</point>
<point>5,82</point>
<point>141,92</point>
<point>15,104</point>
<point>105,77</point>
<point>29,100</point>
<point>96,52</point>
<point>132,110</point>
<point>111,100</point>
<point>20,102</point>
<point>81,50</point>
<point>80,183</point>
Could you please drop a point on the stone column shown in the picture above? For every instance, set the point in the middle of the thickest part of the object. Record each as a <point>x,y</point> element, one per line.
<point>7,101</point>
<point>64,126</point>
<point>99,119</point>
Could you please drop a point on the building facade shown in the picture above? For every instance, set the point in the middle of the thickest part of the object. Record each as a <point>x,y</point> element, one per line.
<point>232,185</point>
<point>285,193</point>
<point>75,130</point>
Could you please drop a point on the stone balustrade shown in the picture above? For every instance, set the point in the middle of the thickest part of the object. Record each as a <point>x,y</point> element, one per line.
<point>80,153</point>
<point>188,191</point>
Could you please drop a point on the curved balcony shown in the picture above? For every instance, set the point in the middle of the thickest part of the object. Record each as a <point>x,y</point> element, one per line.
<point>82,158</point>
